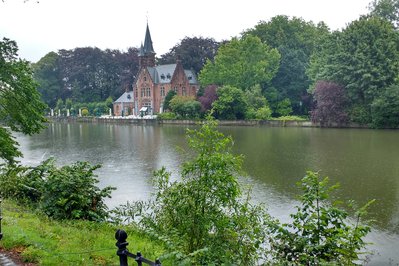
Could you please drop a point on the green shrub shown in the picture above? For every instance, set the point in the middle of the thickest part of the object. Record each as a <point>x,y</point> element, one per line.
<point>167,116</point>
<point>68,192</point>
<point>320,231</point>
<point>202,218</point>
<point>85,112</point>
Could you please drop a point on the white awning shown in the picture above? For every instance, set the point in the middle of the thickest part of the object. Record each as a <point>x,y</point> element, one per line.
<point>143,109</point>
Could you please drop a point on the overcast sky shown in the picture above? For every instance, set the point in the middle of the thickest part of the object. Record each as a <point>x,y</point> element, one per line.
<point>51,25</point>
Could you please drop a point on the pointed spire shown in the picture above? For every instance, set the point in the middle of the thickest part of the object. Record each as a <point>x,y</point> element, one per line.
<point>141,51</point>
<point>148,42</point>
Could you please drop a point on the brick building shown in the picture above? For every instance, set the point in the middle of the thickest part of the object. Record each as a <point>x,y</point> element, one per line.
<point>154,82</point>
<point>123,106</point>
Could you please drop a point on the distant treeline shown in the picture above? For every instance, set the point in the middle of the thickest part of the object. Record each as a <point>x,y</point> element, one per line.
<point>349,75</point>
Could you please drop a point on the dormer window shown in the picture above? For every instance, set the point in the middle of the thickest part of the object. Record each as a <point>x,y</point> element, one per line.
<point>190,77</point>
<point>168,76</point>
<point>162,76</point>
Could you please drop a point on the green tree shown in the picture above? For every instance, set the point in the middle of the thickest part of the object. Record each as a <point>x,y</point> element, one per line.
<point>385,108</point>
<point>386,9</point>
<point>320,231</point>
<point>284,107</point>
<point>241,63</point>
<point>169,96</point>
<point>47,74</point>
<point>364,58</point>
<point>258,107</point>
<point>296,40</point>
<point>231,103</point>
<point>193,52</point>
<point>203,217</point>
<point>185,107</point>
<point>20,106</point>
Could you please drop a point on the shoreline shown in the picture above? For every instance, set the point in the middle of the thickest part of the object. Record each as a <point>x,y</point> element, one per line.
<point>144,121</point>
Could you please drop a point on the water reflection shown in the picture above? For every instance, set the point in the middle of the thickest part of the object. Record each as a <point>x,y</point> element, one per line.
<point>364,162</point>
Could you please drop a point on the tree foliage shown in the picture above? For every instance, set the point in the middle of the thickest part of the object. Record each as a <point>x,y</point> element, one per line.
<point>208,97</point>
<point>47,74</point>
<point>193,52</point>
<point>202,216</point>
<point>185,107</point>
<point>331,104</point>
<point>85,74</point>
<point>296,40</point>
<point>364,58</point>
<point>20,106</point>
<point>319,231</point>
<point>386,9</point>
<point>231,103</point>
<point>385,108</point>
<point>67,192</point>
<point>241,63</point>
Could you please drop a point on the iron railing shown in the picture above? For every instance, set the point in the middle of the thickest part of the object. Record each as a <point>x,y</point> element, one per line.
<point>123,252</point>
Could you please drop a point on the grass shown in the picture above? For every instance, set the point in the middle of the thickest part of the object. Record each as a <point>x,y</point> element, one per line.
<point>48,242</point>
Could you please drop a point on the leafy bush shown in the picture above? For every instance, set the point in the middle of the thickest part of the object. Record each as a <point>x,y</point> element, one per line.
<point>331,104</point>
<point>203,218</point>
<point>320,231</point>
<point>166,116</point>
<point>284,107</point>
<point>85,112</point>
<point>68,192</point>
<point>385,108</point>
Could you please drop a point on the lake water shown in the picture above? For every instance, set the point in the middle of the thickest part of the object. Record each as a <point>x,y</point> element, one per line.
<point>364,162</point>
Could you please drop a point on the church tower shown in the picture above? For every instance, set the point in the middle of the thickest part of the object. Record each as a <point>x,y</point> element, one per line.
<point>147,53</point>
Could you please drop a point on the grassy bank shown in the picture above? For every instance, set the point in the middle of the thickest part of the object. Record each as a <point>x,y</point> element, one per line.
<point>47,242</point>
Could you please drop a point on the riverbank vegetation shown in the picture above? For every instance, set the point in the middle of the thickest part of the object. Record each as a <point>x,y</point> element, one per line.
<point>41,240</point>
<point>204,217</point>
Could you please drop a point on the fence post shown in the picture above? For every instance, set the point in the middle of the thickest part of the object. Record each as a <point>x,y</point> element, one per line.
<point>121,243</point>
<point>138,259</point>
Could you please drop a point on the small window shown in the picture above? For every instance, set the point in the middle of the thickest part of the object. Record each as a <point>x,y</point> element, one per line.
<point>168,76</point>
<point>129,97</point>
<point>145,78</point>
<point>162,76</point>
<point>190,77</point>
<point>162,92</point>
<point>142,92</point>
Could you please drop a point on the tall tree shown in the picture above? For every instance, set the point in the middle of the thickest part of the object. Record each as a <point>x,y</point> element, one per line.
<point>47,74</point>
<point>20,106</point>
<point>386,9</point>
<point>241,63</point>
<point>193,51</point>
<point>331,104</point>
<point>295,40</point>
<point>364,58</point>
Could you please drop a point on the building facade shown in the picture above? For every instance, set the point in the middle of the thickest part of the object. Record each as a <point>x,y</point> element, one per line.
<point>124,105</point>
<point>153,82</point>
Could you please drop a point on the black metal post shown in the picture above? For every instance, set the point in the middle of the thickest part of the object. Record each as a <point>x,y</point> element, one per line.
<point>1,218</point>
<point>138,259</point>
<point>158,262</point>
<point>121,243</point>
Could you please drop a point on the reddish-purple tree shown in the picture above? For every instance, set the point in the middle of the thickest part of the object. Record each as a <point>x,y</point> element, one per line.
<point>208,98</point>
<point>330,104</point>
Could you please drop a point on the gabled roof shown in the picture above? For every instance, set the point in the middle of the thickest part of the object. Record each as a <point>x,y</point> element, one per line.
<point>126,97</point>
<point>163,74</point>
